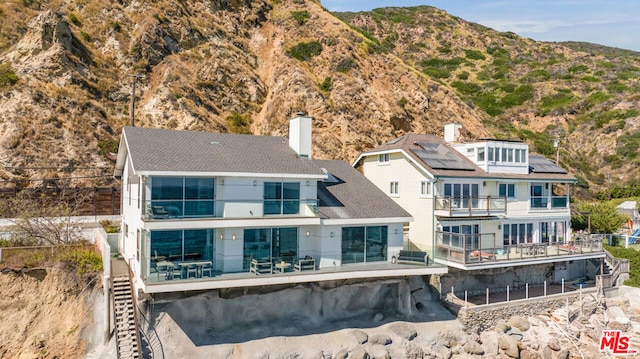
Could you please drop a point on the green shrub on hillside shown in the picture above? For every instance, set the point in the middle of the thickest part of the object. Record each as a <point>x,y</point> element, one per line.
<point>305,50</point>
<point>596,98</point>
<point>519,96</point>
<point>86,260</point>
<point>603,118</point>
<point>617,87</point>
<point>74,19</point>
<point>464,75</point>
<point>555,102</point>
<point>474,55</point>
<point>7,76</point>
<point>326,84</point>
<point>300,17</point>
<point>628,145</point>
<point>466,88</point>
<point>634,263</point>
<point>237,123</point>
<point>590,79</point>
<point>627,75</point>
<point>345,65</point>
<point>576,69</point>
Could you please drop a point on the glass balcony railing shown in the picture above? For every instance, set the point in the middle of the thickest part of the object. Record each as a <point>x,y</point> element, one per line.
<point>166,209</point>
<point>544,202</point>
<point>482,249</point>
<point>479,206</point>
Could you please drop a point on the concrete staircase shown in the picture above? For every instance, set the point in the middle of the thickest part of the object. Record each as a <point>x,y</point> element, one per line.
<point>126,329</point>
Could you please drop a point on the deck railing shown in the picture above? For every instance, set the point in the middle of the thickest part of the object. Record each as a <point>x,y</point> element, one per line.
<point>471,206</point>
<point>479,249</point>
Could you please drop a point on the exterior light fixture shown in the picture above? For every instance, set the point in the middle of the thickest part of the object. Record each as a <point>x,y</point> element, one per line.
<point>331,235</point>
<point>233,237</point>
<point>308,233</point>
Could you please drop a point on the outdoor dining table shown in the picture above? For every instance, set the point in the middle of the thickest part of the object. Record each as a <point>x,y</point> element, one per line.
<point>198,264</point>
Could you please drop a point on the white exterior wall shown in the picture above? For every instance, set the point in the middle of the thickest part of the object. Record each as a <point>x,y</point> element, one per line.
<point>408,176</point>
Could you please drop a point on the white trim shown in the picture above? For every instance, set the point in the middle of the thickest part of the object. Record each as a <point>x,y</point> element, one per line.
<point>180,286</point>
<point>231,174</point>
<point>356,221</point>
<point>231,223</point>
<point>516,263</point>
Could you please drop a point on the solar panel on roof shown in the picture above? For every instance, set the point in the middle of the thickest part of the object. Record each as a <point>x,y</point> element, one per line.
<point>437,156</point>
<point>394,141</point>
<point>539,164</point>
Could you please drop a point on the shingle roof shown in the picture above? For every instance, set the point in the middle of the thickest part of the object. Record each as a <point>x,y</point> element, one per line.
<point>190,151</point>
<point>410,144</point>
<point>348,194</point>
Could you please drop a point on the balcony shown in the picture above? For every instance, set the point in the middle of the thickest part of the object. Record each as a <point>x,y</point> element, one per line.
<point>466,251</point>
<point>171,210</point>
<point>470,206</point>
<point>549,202</point>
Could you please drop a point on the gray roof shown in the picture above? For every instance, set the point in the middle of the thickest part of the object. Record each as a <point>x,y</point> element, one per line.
<point>153,150</point>
<point>436,156</point>
<point>346,193</point>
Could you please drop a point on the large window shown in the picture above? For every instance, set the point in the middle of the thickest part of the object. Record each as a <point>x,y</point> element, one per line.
<point>425,188</point>
<point>457,235</point>
<point>181,197</point>
<point>480,154</point>
<point>270,243</point>
<point>281,198</point>
<point>517,233</point>
<point>182,245</point>
<point>507,190</point>
<point>364,244</point>
<point>461,194</point>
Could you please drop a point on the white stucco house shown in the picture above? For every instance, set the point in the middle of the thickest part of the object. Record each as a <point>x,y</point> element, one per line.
<point>210,210</point>
<point>481,204</point>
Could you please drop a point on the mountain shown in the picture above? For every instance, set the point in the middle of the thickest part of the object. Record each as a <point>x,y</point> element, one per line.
<point>248,66</point>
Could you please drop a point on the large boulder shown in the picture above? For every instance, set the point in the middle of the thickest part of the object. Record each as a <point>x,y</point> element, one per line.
<point>360,336</point>
<point>502,327</point>
<point>404,330</point>
<point>381,339</point>
<point>473,348</point>
<point>519,322</point>
<point>509,346</point>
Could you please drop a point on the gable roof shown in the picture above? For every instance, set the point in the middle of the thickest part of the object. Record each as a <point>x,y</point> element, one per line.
<point>440,159</point>
<point>346,193</point>
<point>163,151</point>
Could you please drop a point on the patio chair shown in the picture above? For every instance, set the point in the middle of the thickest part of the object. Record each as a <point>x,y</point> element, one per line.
<point>192,268</point>
<point>166,270</point>
<point>207,268</point>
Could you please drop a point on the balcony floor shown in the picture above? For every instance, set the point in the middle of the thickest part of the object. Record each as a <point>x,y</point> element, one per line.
<point>247,279</point>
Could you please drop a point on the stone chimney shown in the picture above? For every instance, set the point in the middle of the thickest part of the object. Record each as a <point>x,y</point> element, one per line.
<point>452,132</point>
<point>300,135</point>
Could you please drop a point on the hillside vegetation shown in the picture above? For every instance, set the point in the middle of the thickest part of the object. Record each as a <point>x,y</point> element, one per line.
<point>247,66</point>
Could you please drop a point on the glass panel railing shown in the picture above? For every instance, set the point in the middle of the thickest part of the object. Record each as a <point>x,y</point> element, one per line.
<point>539,202</point>
<point>471,204</point>
<point>559,202</point>
<point>159,210</point>
<point>446,249</point>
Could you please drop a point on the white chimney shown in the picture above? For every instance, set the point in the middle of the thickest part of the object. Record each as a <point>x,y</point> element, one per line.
<point>300,135</point>
<point>452,132</point>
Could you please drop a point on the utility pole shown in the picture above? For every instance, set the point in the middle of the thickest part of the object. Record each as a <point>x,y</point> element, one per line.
<point>136,77</point>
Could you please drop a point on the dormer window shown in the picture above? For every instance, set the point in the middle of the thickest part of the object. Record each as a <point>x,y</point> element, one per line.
<point>480,154</point>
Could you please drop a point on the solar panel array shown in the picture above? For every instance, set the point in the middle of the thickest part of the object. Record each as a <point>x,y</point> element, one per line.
<point>437,156</point>
<point>539,164</point>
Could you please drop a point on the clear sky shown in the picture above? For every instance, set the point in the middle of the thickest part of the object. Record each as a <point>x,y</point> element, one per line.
<point>607,22</point>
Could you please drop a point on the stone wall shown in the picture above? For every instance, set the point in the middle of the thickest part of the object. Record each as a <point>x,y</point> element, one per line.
<point>479,318</point>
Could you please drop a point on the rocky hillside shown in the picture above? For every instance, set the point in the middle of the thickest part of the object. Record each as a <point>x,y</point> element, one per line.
<point>247,66</point>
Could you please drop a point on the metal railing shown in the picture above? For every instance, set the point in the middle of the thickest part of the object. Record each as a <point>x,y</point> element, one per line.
<point>478,206</point>
<point>482,248</point>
